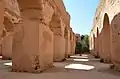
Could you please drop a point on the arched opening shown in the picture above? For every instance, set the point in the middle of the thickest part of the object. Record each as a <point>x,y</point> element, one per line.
<point>55,25</point>
<point>115,42</point>
<point>106,39</point>
<point>95,46</point>
<point>59,39</point>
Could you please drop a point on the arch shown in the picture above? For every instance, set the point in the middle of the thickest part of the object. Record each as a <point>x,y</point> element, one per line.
<point>55,24</point>
<point>106,38</point>
<point>8,24</point>
<point>115,42</point>
<point>59,40</point>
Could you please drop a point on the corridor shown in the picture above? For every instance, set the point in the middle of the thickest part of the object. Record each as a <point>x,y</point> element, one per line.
<point>76,67</point>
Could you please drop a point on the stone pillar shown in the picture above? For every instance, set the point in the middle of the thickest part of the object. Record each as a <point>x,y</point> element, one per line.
<point>97,44</point>
<point>67,44</point>
<point>1,23</point>
<point>66,41</point>
<point>32,43</point>
<point>74,43</point>
<point>71,42</point>
<point>100,46</point>
<point>57,26</point>
<point>73,49</point>
<point>59,48</point>
<point>71,45</point>
<point>0,47</point>
<point>7,46</point>
<point>66,48</point>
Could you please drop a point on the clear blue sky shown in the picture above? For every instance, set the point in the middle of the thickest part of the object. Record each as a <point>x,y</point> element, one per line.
<point>82,13</point>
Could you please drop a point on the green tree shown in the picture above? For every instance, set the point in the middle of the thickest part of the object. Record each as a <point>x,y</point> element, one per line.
<point>83,45</point>
<point>78,47</point>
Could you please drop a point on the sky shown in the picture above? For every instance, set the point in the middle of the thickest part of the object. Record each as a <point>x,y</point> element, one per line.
<point>82,13</point>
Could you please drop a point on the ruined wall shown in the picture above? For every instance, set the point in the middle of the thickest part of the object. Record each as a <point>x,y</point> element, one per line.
<point>107,22</point>
<point>31,36</point>
<point>59,22</point>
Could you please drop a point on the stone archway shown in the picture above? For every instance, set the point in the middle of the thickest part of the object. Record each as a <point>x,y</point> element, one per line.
<point>106,39</point>
<point>115,44</point>
<point>59,40</point>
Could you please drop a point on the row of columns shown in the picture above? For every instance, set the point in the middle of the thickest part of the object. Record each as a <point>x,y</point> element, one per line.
<point>38,38</point>
<point>105,42</point>
<point>102,44</point>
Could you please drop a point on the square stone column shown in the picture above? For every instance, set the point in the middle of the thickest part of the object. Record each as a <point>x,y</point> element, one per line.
<point>67,44</point>
<point>1,16</point>
<point>32,44</point>
<point>66,48</point>
<point>59,48</point>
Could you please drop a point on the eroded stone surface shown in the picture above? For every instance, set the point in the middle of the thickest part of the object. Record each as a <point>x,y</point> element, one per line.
<point>107,21</point>
<point>38,33</point>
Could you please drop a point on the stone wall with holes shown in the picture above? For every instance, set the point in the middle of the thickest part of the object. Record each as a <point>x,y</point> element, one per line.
<point>112,9</point>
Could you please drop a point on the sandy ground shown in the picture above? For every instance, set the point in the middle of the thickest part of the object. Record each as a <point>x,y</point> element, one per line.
<point>76,67</point>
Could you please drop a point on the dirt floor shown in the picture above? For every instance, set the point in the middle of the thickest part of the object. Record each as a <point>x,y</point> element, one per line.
<point>76,67</point>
